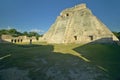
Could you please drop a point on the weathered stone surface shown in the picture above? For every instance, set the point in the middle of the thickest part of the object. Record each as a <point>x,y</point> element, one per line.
<point>78,25</point>
<point>19,39</point>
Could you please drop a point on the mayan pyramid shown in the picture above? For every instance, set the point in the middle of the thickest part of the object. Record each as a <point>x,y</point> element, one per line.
<point>78,25</point>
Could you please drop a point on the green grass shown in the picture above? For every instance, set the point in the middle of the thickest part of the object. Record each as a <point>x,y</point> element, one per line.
<point>21,53</point>
<point>105,55</point>
<point>28,57</point>
<point>25,56</point>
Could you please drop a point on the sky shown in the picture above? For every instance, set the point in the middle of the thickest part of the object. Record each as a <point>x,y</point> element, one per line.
<point>39,15</point>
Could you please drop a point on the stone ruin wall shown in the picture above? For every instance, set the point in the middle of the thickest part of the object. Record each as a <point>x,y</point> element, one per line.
<point>19,39</point>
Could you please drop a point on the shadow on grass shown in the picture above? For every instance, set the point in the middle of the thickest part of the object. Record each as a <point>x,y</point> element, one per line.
<point>22,52</point>
<point>105,55</point>
<point>42,63</point>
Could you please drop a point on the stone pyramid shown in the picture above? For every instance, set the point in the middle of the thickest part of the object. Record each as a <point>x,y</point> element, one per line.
<point>78,25</point>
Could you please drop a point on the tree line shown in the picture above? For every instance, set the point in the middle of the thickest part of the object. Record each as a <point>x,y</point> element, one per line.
<point>15,33</point>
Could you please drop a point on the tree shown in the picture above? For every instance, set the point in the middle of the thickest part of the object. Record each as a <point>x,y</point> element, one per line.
<point>15,33</point>
<point>33,34</point>
<point>25,33</point>
<point>3,31</point>
<point>12,31</point>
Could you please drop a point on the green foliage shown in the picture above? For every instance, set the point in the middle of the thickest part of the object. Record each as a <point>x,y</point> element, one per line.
<point>33,34</point>
<point>3,31</point>
<point>25,33</point>
<point>16,33</point>
<point>12,32</point>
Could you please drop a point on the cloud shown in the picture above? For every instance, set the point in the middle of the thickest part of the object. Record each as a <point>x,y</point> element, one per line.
<point>37,30</point>
<point>9,27</point>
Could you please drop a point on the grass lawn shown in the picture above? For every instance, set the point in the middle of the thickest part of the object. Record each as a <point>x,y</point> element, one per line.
<point>41,60</point>
<point>106,56</point>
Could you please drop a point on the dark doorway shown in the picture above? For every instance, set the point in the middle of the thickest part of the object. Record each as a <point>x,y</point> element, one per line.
<point>67,14</point>
<point>91,37</point>
<point>30,41</point>
<point>21,40</point>
<point>12,40</point>
<point>75,37</point>
<point>18,40</point>
<point>15,40</point>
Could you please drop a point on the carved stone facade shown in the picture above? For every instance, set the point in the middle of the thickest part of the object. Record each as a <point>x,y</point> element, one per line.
<point>78,25</point>
<point>19,39</point>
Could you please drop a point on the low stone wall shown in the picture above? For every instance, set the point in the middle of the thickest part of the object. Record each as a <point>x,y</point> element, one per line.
<point>19,39</point>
